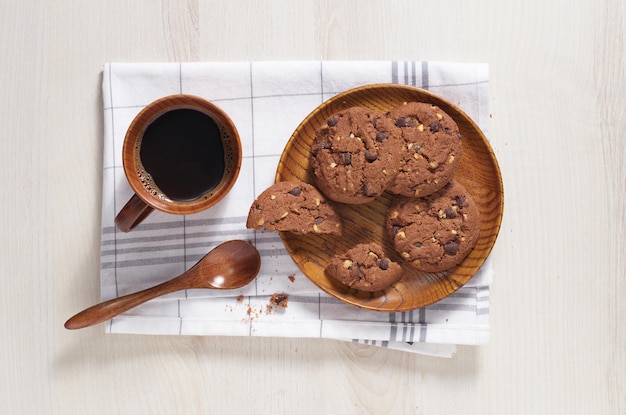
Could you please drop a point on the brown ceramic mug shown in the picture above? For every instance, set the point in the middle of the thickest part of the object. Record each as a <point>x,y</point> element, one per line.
<point>181,155</point>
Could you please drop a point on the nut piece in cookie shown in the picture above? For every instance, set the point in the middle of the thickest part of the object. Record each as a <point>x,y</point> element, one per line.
<point>434,233</point>
<point>364,267</point>
<point>295,207</point>
<point>355,156</point>
<point>431,150</point>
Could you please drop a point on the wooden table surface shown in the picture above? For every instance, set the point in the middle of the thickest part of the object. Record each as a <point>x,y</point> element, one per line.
<point>558,128</point>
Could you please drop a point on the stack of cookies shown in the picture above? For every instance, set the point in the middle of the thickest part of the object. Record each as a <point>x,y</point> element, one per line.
<point>412,152</point>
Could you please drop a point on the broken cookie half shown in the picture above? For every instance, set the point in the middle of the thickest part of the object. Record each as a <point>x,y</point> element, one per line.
<point>296,207</point>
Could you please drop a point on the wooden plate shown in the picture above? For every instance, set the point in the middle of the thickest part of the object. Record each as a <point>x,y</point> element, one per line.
<point>478,172</point>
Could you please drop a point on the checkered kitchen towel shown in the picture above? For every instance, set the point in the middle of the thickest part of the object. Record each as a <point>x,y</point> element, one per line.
<point>267,101</point>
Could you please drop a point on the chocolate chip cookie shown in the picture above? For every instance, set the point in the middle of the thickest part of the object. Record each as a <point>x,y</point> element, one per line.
<point>436,232</point>
<point>364,267</point>
<point>431,152</point>
<point>295,207</point>
<point>356,155</point>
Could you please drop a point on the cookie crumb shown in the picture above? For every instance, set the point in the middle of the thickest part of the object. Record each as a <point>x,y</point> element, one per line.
<point>292,278</point>
<point>280,299</point>
<point>240,298</point>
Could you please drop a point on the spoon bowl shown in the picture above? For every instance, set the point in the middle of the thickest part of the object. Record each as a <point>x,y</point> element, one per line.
<point>229,265</point>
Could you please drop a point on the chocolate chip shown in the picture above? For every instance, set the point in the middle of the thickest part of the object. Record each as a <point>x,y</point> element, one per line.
<point>394,231</point>
<point>451,248</point>
<point>400,122</point>
<point>319,220</point>
<point>332,121</point>
<point>383,264</point>
<point>320,145</point>
<point>447,131</point>
<point>450,213</point>
<point>460,201</point>
<point>374,121</point>
<point>459,136</point>
<point>345,158</point>
<point>411,123</point>
<point>296,191</point>
<point>369,190</point>
<point>371,157</point>
<point>380,136</point>
<point>417,244</point>
<point>435,126</point>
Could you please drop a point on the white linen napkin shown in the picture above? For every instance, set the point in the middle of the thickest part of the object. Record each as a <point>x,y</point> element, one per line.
<point>267,101</point>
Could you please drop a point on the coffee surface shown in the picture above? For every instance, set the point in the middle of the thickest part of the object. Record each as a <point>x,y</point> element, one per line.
<point>183,152</point>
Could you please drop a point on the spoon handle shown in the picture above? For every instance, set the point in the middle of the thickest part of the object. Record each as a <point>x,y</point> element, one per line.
<point>111,308</point>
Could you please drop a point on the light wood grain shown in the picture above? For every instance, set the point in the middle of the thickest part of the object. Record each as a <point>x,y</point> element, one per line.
<point>558,315</point>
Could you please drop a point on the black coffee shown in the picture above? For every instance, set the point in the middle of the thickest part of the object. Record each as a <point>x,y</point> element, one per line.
<point>183,152</point>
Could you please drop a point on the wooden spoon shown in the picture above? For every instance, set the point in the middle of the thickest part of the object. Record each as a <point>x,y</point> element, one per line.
<point>232,264</point>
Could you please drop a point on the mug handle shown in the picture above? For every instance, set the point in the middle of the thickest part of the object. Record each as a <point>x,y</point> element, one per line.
<point>132,214</point>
